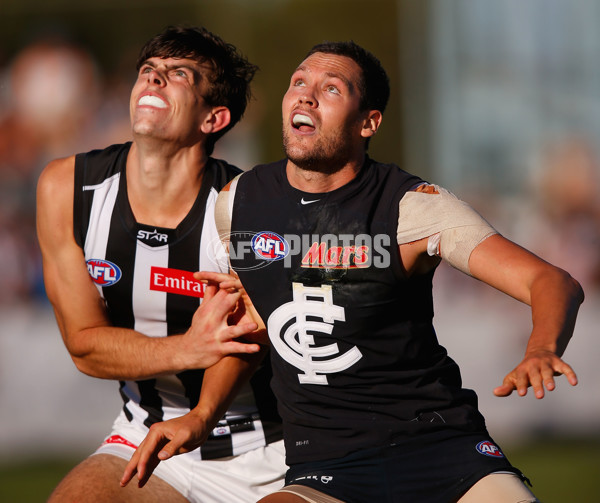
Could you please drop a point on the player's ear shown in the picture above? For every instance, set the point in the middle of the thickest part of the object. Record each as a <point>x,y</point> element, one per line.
<point>217,119</point>
<point>371,123</point>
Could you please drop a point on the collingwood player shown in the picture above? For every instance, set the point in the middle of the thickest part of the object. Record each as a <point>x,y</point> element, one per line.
<point>372,405</point>
<point>121,231</point>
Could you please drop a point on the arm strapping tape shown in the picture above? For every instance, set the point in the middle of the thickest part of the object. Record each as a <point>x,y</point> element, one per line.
<point>224,210</point>
<point>446,220</point>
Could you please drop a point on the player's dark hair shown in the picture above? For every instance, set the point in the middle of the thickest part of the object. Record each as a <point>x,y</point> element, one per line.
<point>229,82</point>
<point>374,85</point>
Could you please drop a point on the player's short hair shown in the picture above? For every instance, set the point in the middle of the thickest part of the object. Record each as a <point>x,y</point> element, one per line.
<point>374,84</point>
<point>229,83</point>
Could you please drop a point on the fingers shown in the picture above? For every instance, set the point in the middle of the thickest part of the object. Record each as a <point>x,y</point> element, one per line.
<point>220,280</point>
<point>214,277</point>
<point>523,381</point>
<point>130,469</point>
<point>231,284</point>
<point>242,348</point>
<point>220,307</point>
<point>221,304</point>
<point>537,372</point>
<point>566,370</point>
<point>177,445</point>
<point>210,290</point>
<point>506,388</point>
<point>138,464</point>
<point>154,449</point>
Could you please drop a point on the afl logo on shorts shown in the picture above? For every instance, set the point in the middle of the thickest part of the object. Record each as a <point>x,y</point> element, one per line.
<point>488,448</point>
<point>103,272</point>
<point>269,246</point>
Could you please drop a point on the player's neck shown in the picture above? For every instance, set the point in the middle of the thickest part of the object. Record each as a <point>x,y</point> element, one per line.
<point>316,180</point>
<point>162,185</point>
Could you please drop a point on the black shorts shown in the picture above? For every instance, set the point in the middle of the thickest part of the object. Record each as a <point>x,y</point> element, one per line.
<point>437,467</point>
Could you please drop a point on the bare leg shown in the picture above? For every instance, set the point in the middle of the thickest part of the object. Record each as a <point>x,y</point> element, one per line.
<point>499,488</point>
<point>299,494</point>
<point>281,497</point>
<point>96,480</point>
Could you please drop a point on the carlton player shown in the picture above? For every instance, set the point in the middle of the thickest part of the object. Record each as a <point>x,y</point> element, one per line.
<point>121,231</point>
<point>372,405</point>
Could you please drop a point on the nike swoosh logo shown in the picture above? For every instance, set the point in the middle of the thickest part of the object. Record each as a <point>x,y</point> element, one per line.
<point>302,201</point>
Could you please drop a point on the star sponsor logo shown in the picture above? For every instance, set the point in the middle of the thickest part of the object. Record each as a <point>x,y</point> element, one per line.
<point>152,238</point>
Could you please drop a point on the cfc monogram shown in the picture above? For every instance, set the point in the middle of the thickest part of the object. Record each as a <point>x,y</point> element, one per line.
<point>296,345</point>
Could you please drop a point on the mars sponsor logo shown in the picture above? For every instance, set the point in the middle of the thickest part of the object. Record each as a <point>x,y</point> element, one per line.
<point>103,272</point>
<point>176,281</point>
<point>341,251</point>
<point>327,251</point>
<point>336,257</point>
<point>489,449</point>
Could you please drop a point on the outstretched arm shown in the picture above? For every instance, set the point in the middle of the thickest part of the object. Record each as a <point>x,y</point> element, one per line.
<point>554,297</point>
<point>434,223</point>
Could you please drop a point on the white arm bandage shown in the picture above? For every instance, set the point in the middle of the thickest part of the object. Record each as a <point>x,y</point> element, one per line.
<point>224,210</point>
<point>454,227</point>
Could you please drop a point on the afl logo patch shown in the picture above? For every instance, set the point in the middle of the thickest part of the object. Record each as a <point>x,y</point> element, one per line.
<point>488,448</point>
<point>103,272</point>
<point>269,246</point>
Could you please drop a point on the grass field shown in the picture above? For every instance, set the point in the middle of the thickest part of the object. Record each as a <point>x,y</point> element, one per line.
<point>563,471</point>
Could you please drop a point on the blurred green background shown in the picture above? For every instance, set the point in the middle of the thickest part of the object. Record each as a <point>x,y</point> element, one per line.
<point>499,101</point>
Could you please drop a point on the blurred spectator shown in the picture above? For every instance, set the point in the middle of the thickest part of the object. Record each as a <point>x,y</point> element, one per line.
<point>565,228</point>
<point>52,108</point>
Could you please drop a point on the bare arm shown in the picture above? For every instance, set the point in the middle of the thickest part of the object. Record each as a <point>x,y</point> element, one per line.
<point>554,297</point>
<point>220,385</point>
<point>97,348</point>
<point>185,433</point>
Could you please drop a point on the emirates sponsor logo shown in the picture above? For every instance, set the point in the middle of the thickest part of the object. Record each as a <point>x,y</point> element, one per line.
<point>176,281</point>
